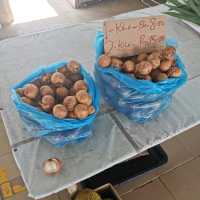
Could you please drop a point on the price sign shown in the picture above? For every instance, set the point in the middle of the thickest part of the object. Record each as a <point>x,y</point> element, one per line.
<point>133,36</point>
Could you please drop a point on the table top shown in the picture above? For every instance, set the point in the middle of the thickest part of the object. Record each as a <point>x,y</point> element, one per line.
<point>115,138</point>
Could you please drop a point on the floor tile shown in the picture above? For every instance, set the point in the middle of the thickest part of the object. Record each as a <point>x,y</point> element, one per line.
<point>151,191</point>
<point>177,154</point>
<point>191,139</point>
<point>4,144</point>
<point>183,182</point>
<point>7,165</point>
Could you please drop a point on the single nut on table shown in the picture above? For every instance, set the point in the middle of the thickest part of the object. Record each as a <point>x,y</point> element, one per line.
<point>31,91</point>
<point>61,92</point>
<point>141,57</point>
<point>45,90</point>
<point>169,53</point>
<point>144,68</point>
<point>91,110</point>
<point>58,78</point>
<point>73,66</point>
<point>104,60</point>
<point>69,102</point>
<point>28,101</point>
<point>75,77</point>
<point>20,91</point>
<point>116,62</point>
<point>80,85</point>
<point>81,111</point>
<point>174,72</point>
<point>165,65</point>
<point>155,62</point>
<point>52,166</point>
<point>60,111</point>
<point>129,66</point>
<point>46,79</point>
<point>83,97</point>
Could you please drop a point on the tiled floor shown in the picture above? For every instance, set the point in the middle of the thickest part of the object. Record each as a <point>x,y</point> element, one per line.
<point>179,179</point>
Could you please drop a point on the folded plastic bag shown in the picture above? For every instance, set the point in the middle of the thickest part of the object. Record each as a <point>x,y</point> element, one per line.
<point>139,100</point>
<point>41,124</point>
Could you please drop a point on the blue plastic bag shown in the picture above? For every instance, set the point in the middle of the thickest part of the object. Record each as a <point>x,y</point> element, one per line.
<point>57,131</point>
<point>139,100</point>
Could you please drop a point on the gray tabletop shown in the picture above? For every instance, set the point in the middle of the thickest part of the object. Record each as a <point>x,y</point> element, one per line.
<point>109,144</point>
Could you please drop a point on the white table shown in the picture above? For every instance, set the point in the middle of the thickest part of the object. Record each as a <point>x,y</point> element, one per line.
<point>109,144</point>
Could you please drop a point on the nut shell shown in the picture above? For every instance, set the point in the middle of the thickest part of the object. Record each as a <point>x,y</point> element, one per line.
<point>46,90</point>
<point>31,91</point>
<point>70,102</point>
<point>104,60</point>
<point>169,53</point>
<point>116,62</point>
<point>155,62</point>
<point>61,92</point>
<point>83,97</point>
<point>129,66</point>
<point>144,68</point>
<point>174,72</point>
<point>80,85</point>
<point>27,100</point>
<point>154,55</point>
<point>46,79</point>
<point>141,57</point>
<point>62,70</point>
<point>165,65</point>
<point>60,111</point>
<point>48,100</point>
<point>58,78</point>
<point>160,77</point>
<point>73,66</point>
<point>52,166</point>
<point>81,111</point>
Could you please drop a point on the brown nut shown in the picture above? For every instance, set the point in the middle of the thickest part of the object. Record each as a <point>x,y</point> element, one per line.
<point>38,82</point>
<point>61,92</point>
<point>48,100</point>
<point>45,107</point>
<point>75,77</point>
<point>155,62</point>
<point>46,79</point>
<point>62,70</point>
<point>129,66</point>
<point>69,102</point>
<point>71,114</point>
<point>31,91</point>
<point>160,77</point>
<point>28,101</point>
<point>83,97</point>
<point>20,91</point>
<point>81,111</point>
<point>73,66</point>
<point>80,85</point>
<point>52,166</point>
<point>144,68</point>
<point>58,78</point>
<point>45,90</point>
<point>116,62</point>
<point>91,110</point>
<point>141,57</point>
<point>165,65</point>
<point>154,55</point>
<point>143,77</point>
<point>60,111</point>
<point>169,53</point>
<point>174,72</point>
<point>104,60</point>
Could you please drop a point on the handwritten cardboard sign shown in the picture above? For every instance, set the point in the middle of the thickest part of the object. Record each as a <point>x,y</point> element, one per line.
<point>132,36</point>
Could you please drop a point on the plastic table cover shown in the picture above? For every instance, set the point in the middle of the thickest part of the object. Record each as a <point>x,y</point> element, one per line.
<point>115,138</point>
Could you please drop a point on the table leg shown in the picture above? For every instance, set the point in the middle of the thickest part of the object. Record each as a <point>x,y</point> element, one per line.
<point>155,157</point>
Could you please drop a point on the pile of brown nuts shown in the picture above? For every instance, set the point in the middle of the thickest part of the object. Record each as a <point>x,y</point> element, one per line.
<point>63,93</point>
<point>155,66</point>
